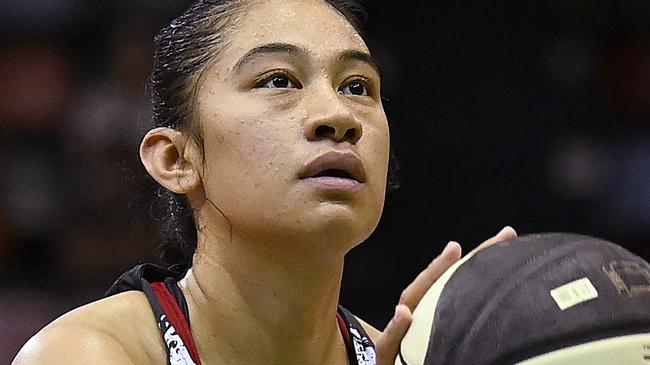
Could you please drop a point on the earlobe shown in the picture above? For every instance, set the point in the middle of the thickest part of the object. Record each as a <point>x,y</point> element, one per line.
<point>162,154</point>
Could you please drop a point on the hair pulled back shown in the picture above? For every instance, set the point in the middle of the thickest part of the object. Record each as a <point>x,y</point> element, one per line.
<point>183,50</point>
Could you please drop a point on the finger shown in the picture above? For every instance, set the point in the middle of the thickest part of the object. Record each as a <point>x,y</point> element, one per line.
<point>412,295</point>
<point>388,345</point>
<point>506,233</point>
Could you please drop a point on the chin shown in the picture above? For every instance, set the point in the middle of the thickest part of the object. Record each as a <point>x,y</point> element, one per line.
<point>341,226</point>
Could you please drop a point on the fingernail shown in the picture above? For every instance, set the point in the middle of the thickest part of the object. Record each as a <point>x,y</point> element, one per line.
<point>449,244</point>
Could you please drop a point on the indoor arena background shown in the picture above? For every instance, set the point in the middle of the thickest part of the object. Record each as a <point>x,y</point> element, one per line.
<point>534,114</point>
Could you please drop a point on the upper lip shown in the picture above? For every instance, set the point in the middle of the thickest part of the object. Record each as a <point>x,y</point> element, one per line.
<point>334,160</point>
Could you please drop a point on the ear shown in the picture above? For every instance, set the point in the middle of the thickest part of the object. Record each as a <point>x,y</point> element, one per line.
<point>163,154</point>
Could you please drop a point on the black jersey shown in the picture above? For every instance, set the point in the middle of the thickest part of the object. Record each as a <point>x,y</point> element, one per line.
<point>172,314</point>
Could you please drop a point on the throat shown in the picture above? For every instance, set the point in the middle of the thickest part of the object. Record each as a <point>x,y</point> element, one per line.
<point>286,313</point>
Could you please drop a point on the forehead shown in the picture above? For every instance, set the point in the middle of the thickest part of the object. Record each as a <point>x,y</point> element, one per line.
<point>310,24</point>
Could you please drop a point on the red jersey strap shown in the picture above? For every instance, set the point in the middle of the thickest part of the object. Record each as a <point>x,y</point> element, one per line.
<point>361,350</point>
<point>175,328</point>
<point>347,338</point>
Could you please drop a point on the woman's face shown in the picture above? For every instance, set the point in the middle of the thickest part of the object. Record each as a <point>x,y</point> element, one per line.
<point>295,136</point>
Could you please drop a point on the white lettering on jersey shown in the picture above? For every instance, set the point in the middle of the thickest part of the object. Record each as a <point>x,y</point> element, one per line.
<point>365,352</point>
<point>178,354</point>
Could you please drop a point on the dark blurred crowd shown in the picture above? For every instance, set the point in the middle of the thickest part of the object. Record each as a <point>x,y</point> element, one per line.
<point>73,197</point>
<point>555,95</point>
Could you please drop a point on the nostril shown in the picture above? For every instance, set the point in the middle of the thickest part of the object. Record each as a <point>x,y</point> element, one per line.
<point>351,134</point>
<point>324,131</point>
<point>327,131</point>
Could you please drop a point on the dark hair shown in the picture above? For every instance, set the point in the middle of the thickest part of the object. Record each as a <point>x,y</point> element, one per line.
<point>184,49</point>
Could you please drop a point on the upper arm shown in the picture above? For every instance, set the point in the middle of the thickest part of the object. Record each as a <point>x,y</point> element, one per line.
<point>72,345</point>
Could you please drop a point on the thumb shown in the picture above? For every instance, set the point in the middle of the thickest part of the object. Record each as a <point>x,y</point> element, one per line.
<point>388,344</point>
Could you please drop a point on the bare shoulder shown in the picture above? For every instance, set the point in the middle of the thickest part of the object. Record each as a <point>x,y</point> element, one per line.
<point>120,329</point>
<point>72,345</point>
<point>370,330</point>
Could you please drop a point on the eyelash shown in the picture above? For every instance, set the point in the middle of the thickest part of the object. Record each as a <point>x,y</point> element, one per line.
<point>263,80</point>
<point>367,84</point>
<point>268,77</point>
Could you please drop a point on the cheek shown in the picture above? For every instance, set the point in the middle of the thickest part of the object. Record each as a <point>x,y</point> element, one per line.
<point>248,153</point>
<point>251,135</point>
<point>379,156</point>
<point>377,135</point>
<point>379,169</point>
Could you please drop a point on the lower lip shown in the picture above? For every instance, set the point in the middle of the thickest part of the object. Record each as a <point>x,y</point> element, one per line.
<point>335,184</point>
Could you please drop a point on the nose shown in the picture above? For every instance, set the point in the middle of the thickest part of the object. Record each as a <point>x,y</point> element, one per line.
<point>334,121</point>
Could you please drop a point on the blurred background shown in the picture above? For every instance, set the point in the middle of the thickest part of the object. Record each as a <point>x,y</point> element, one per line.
<point>534,114</point>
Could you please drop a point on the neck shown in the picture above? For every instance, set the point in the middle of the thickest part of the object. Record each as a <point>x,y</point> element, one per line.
<point>250,303</point>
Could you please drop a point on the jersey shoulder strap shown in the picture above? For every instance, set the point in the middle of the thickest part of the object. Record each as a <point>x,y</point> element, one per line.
<point>132,279</point>
<point>169,307</point>
<point>173,322</point>
<point>361,349</point>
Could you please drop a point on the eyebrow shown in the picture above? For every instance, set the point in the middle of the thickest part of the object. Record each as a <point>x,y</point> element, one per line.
<point>286,48</point>
<point>353,55</point>
<point>268,49</point>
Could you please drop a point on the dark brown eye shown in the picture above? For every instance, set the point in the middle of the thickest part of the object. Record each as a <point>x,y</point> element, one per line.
<point>357,88</point>
<point>281,81</point>
<point>278,81</point>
